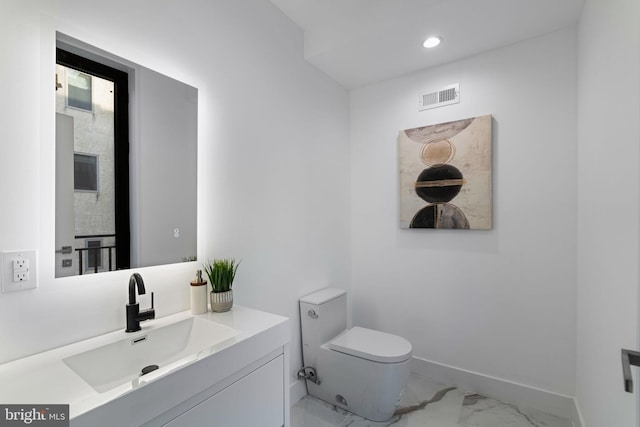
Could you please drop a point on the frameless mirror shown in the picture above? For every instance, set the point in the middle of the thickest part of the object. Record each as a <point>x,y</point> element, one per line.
<point>126,155</point>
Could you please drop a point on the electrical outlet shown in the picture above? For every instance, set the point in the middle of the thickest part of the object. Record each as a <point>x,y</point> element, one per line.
<point>20,276</point>
<point>18,270</point>
<point>20,264</point>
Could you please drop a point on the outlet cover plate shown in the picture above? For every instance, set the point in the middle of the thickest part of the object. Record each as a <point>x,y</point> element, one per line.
<point>8,261</point>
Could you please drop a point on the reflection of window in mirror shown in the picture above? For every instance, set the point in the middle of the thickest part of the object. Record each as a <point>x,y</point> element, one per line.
<point>85,172</point>
<point>78,90</point>
<point>93,255</point>
<point>94,102</point>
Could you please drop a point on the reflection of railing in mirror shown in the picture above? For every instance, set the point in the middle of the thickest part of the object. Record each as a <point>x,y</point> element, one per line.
<point>94,255</point>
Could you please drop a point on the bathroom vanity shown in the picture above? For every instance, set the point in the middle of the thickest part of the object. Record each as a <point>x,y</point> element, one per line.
<point>228,369</point>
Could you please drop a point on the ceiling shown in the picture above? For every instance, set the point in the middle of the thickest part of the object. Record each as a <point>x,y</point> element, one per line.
<point>359,42</point>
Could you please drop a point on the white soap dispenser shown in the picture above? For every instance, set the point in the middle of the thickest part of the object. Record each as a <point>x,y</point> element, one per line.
<point>199,294</point>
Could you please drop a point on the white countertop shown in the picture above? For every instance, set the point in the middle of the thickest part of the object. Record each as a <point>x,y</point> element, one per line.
<point>45,379</point>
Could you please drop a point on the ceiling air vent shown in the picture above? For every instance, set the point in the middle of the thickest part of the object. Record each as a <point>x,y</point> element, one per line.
<point>445,96</point>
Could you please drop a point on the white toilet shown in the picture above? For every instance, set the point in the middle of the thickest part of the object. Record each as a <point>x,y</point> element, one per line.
<point>358,369</point>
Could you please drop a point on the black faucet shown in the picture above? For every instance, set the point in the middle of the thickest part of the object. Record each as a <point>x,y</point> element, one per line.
<point>134,315</point>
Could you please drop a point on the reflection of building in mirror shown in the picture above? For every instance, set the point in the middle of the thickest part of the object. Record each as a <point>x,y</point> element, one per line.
<point>87,101</point>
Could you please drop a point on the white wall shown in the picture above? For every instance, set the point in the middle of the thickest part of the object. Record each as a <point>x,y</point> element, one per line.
<point>273,163</point>
<point>608,186</point>
<point>499,302</point>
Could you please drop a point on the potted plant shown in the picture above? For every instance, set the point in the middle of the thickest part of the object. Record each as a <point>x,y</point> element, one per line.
<point>221,273</point>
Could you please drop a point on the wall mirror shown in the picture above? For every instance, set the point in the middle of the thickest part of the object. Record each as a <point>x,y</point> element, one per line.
<point>126,163</point>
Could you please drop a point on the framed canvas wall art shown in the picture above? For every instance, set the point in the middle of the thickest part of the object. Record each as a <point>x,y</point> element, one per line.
<point>445,175</point>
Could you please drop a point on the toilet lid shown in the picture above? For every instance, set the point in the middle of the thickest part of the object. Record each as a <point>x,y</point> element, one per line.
<point>372,345</point>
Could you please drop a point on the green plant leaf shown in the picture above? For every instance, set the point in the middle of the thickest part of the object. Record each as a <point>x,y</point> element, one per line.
<point>221,273</point>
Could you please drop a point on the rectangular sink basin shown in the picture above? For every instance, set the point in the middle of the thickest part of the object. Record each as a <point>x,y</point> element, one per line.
<point>167,347</point>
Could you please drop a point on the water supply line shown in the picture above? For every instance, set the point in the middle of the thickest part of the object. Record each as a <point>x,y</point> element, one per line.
<point>308,373</point>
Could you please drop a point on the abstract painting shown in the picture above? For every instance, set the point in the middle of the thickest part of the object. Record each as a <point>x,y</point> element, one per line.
<point>445,175</point>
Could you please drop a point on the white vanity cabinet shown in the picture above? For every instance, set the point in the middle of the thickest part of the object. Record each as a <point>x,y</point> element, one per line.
<point>240,380</point>
<point>256,399</point>
<point>253,395</point>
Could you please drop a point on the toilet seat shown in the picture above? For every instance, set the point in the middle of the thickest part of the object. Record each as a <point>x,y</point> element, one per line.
<point>372,345</point>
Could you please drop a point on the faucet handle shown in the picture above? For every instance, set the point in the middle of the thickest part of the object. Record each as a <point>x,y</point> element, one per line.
<point>147,314</point>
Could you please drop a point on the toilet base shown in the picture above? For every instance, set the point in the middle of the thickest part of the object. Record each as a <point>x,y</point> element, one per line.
<point>368,389</point>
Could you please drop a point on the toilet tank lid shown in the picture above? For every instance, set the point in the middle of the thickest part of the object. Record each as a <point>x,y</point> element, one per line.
<point>372,345</point>
<point>322,296</point>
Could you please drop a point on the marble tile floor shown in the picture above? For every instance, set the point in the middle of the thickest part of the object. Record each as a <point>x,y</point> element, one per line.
<point>429,404</point>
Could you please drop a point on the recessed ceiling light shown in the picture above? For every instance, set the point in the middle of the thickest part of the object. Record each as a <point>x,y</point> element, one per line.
<point>432,41</point>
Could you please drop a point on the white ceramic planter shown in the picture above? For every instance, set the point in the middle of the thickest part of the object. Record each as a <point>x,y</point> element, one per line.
<point>221,301</point>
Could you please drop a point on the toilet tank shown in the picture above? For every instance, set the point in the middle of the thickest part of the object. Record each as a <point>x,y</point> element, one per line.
<point>323,315</point>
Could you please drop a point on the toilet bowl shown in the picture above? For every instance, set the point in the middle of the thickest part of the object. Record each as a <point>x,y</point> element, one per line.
<point>361,370</point>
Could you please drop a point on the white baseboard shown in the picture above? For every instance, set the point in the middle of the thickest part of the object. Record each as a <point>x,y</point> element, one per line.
<point>298,390</point>
<point>499,389</point>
